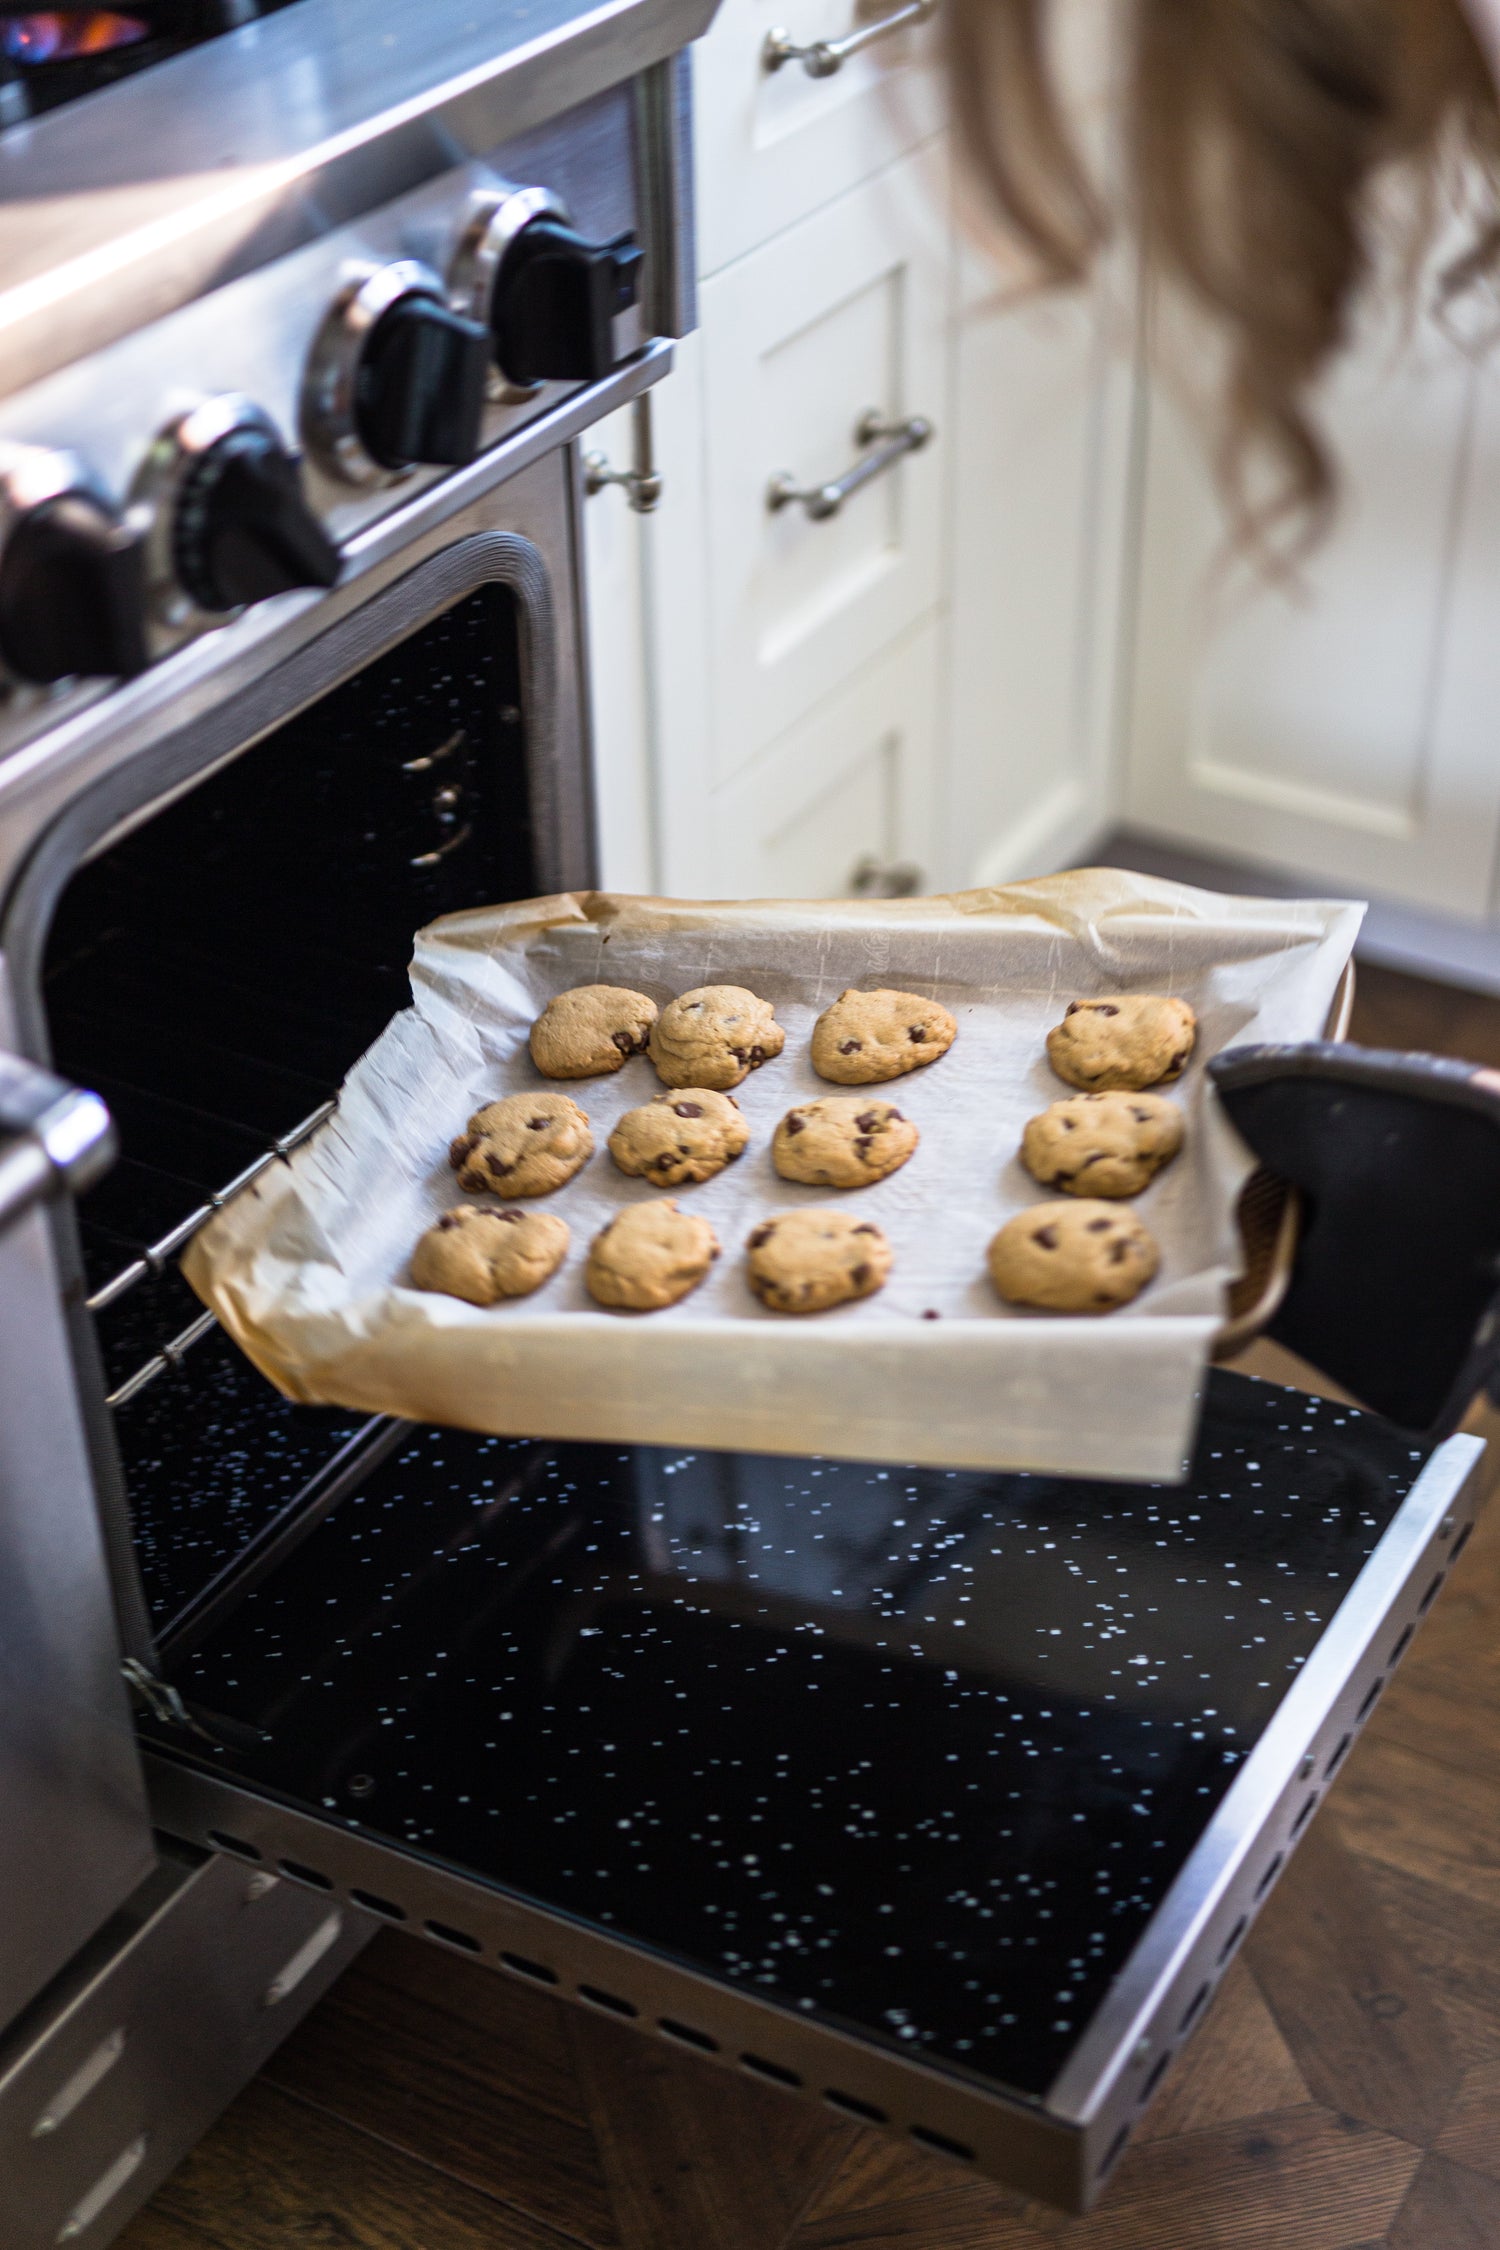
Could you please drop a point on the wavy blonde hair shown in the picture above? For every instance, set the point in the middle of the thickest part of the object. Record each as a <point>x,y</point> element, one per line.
<point>1254,135</point>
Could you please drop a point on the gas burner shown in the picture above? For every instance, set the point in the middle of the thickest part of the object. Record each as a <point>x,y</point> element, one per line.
<point>49,56</point>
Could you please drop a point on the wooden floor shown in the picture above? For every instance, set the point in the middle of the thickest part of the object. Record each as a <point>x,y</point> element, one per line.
<point>1343,2092</point>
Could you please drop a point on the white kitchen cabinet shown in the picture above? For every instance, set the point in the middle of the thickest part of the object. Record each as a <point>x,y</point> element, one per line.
<point>773,146</point>
<point>843,313</point>
<point>1039,467</point>
<point>1342,723</point>
<point>847,798</point>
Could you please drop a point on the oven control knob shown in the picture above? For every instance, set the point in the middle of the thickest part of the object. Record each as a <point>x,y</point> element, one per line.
<point>396,378</point>
<point>560,308</point>
<point>236,526</point>
<point>72,579</point>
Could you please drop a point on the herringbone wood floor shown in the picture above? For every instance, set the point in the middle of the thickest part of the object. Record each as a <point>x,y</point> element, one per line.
<point>1343,2092</point>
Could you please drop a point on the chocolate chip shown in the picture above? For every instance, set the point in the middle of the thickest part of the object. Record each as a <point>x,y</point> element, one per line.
<point>1061,1179</point>
<point>1103,1297</point>
<point>496,1169</point>
<point>1178,1060</point>
<point>537,1124</point>
<point>1046,1237</point>
<point>1072,1007</point>
<point>449,1219</point>
<point>761,1234</point>
<point>932,1316</point>
<point>687,1109</point>
<point>1105,1008</point>
<point>1119,1254</point>
<point>740,1055</point>
<point>795,1123</point>
<point>1070,1124</point>
<point>863,1146</point>
<point>851,1046</point>
<point>860,1276</point>
<point>626,1044</point>
<point>894,1117</point>
<point>511,1218</point>
<point>867,1230</point>
<point>683,1149</point>
<point>916,1033</point>
<point>1100,1226</point>
<point>757,1057</point>
<point>1141,1116</point>
<point>870,1122</point>
<point>460,1151</point>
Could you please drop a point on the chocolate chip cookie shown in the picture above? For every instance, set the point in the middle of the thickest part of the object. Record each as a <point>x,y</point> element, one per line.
<point>844,1141</point>
<point>486,1255</point>
<point>688,1133</point>
<point>527,1144</point>
<point>1102,1144</point>
<point>805,1261</point>
<point>1131,1039</point>
<point>1083,1257</point>
<point>649,1255</point>
<point>590,1030</point>
<point>866,1037</point>
<point>714,1037</point>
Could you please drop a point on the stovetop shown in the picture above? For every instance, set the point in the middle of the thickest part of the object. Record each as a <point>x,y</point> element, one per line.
<point>52,56</point>
<point>917,1752</point>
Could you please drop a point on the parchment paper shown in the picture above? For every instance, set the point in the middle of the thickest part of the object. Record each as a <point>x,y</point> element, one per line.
<point>306,1268</point>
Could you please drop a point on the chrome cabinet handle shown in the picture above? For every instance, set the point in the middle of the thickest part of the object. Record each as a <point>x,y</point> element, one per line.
<point>642,481</point>
<point>885,878</point>
<point>889,440</point>
<point>825,56</point>
<point>51,1136</point>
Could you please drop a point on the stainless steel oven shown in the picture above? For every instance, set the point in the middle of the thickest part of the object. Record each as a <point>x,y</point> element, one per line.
<point>941,1799</point>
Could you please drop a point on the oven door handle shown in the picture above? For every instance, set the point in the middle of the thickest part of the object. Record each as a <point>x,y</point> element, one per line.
<point>1395,1289</point>
<point>53,1136</point>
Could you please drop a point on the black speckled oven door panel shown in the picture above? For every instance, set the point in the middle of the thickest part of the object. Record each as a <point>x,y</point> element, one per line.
<point>913,1754</point>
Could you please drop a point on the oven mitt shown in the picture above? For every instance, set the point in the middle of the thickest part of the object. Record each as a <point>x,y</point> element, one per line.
<point>1395,1292</point>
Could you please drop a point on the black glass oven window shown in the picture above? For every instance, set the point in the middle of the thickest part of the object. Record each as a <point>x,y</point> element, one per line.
<point>920,1751</point>
<point>215,974</point>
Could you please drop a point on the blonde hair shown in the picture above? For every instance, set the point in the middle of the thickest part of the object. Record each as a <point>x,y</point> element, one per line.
<point>1254,133</point>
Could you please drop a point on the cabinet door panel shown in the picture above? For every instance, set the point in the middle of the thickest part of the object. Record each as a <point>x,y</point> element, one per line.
<point>773,146</point>
<point>844,313</point>
<point>614,566</point>
<point>851,786</point>
<point>1341,722</point>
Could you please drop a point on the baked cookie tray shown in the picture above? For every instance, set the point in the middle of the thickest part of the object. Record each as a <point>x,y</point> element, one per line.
<point>307,1268</point>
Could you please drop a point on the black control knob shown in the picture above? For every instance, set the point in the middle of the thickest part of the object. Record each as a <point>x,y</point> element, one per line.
<point>240,529</point>
<point>555,302</point>
<point>72,575</point>
<point>419,385</point>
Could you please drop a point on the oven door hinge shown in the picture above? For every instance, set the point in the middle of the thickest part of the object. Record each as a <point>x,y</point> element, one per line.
<point>160,1701</point>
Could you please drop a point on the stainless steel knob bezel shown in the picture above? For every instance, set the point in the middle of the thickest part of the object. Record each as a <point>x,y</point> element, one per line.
<point>494,218</point>
<point>327,415</point>
<point>174,452</point>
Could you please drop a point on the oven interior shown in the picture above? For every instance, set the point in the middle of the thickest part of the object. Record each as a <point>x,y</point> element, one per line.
<point>914,1753</point>
<point>213,975</point>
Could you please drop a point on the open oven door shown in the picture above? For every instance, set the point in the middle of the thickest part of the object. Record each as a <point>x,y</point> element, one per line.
<point>75,1838</point>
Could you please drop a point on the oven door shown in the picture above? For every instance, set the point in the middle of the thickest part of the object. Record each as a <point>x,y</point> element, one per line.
<point>75,1837</point>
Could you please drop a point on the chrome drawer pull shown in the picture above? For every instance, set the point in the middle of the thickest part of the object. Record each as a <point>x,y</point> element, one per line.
<point>889,439</point>
<point>825,56</point>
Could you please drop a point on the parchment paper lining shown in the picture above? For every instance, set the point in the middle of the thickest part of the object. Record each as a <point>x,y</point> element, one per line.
<point>306,1269</point>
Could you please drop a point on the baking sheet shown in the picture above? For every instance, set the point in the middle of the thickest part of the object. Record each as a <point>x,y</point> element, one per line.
<point>306,1268</point>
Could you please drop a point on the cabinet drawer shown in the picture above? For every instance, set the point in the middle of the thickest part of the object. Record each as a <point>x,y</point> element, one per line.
<point>774,145</point>
<point>846,313</point>
<point>849,789</point>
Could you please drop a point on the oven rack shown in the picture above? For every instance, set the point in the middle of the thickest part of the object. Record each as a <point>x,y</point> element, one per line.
<point>153,1260</point>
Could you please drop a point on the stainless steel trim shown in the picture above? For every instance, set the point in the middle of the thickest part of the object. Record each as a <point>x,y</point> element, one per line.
<point>890,441</point>
<point>827,56</point>
<point>63,1138</point>
<point>327,412</point>
<point>641,483</point>
<point>1162,1991</point>
<point>229,156</point>
<point>664,157</point>
<point>494,218</point>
